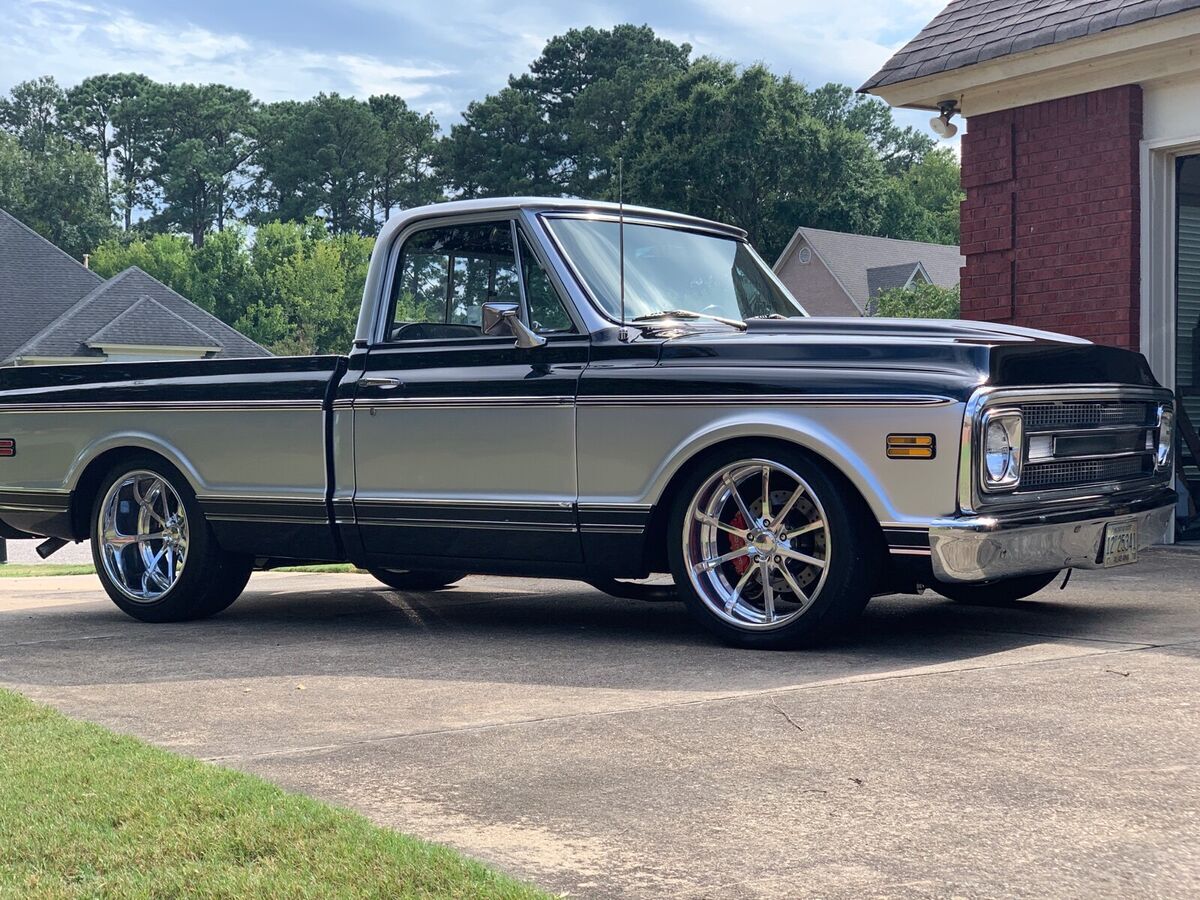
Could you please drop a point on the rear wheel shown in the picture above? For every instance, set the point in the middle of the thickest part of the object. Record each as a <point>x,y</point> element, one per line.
<point>154,551</point>
<point>997,592</point>
<point>416,581</point>
<point>768,550</point>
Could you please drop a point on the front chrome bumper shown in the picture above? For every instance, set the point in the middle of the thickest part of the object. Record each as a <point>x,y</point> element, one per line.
<point>991,548</point>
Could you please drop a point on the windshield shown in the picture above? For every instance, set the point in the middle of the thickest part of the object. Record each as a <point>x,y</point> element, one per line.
<point>671,270</point>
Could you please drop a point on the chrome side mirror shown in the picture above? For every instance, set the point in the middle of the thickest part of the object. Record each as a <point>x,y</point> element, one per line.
<point>498,315</point>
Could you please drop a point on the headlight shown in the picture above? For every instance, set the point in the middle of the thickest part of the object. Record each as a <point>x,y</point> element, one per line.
<point>1166,433</point>
<point>1003,446</point>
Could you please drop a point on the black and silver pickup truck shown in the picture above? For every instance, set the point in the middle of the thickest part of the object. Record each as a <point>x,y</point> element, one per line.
<point>553,388</point>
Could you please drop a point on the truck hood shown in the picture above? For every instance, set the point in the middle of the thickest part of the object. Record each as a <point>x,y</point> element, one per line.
<point>964,354</point>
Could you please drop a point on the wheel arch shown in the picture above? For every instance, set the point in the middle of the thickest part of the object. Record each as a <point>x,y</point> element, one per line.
<point>86,474</point>
<point>686,464</point>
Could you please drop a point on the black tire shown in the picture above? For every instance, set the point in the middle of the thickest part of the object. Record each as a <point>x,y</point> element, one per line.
<point>211,578</point>
<point>416,581</point>
<point>852,545</point>
<point>997,593</point>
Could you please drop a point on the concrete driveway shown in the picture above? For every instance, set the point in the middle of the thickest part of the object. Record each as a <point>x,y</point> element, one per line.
<point>607,748</point>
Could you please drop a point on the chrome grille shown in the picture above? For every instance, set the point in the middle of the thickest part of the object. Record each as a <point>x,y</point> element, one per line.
<point>1086,414</point>
<point>1079,472</point>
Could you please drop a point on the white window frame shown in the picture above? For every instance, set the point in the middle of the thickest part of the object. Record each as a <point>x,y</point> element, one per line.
<point>1156,325</point>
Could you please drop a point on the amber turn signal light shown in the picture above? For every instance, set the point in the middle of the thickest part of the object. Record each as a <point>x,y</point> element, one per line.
<point>911,446</point>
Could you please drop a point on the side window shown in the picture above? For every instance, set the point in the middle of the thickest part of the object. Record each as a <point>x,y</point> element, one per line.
<point>546,312</point>
<point>445,275</point>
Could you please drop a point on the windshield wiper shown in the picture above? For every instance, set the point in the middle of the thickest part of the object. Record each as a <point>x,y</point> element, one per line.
<point>689,314</point>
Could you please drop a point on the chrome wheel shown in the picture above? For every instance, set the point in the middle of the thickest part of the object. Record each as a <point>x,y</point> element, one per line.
<point>756,544</point>
<point>143,536</point>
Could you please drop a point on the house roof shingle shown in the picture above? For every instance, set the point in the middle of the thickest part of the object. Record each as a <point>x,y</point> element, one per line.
<point>38,283</point>
<point>852,257</point>
<point>967,32</point>
<point>885,278</point>
<point>172,321</point>
<point>148,322</point>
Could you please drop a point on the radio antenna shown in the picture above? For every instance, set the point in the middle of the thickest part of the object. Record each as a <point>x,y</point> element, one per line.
<point>623,334</point>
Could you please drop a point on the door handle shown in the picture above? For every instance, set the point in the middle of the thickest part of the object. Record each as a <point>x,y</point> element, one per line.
<point>381,382</point>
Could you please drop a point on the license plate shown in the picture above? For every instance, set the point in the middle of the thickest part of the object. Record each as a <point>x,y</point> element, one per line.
<point>1120,543</point>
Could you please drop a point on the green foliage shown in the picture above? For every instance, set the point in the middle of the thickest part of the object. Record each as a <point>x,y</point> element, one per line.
<point>920,301</point>
<point>922,203</point>
<point>745,146</point>
<point>30,113</point>
<point>555,129</point>
<point>202,139</point>
<point>88,813</point>
<point>294,289</point>
<point>188,168</point>
<point>59,193</point>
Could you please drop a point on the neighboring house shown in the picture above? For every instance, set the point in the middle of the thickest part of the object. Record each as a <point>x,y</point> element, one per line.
<point>54,310</point>
<point>1081,166</point>
<point>837,274</point>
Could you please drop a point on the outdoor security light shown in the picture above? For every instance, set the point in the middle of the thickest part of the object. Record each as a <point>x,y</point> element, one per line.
<point>941,124</point>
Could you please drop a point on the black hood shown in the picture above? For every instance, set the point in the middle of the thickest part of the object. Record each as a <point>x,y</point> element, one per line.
<point>948,351</point>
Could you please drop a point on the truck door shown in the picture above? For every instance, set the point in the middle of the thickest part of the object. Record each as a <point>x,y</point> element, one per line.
<point>465,442</point>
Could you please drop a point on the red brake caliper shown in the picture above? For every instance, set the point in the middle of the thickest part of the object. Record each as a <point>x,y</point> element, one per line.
<point>742,563</point>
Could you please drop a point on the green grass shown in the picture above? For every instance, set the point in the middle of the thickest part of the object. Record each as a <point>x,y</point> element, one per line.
<point>324,569</point>
<point>12,570</point>
<point>88,813</point>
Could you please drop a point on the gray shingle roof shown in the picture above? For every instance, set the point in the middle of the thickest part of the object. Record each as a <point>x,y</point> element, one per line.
<point>885,278</point>
<point>850,258</point>
<point>106,308</point>
<point>38,283</point>
<point>148,322</point>
<point>973,31</point>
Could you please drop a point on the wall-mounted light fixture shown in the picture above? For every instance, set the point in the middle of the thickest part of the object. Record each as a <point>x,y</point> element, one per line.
<point>941,124</point>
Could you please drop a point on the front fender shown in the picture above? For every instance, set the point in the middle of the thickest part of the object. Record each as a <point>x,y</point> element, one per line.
<point>631,455</point>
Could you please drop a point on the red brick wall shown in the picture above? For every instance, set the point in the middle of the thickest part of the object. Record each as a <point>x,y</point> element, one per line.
<point>1050,226</point>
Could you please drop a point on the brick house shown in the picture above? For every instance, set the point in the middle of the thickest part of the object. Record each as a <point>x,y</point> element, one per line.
<point>1081,167</point>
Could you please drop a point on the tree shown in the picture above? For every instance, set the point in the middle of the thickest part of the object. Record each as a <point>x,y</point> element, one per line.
<point>899,149</point>
<point>554,129</point>
<point>58,192</point>
<point>923,202</point>
<point>30,113</point>
<point>744,147</point>
<point>324,162</point>
<point>312,285</point>
<point>90,112</point>
<point>201,139</point>
<point>404,174</point>
<point>133,151</point>
<point>587,83</point>
<point>499,149</point>
<point>919,301</point>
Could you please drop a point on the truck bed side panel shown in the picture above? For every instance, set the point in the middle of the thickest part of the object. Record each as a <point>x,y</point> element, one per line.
<point>249,435</point>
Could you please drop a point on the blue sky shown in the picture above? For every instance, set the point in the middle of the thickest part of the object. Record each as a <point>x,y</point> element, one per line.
<point>437,55</point>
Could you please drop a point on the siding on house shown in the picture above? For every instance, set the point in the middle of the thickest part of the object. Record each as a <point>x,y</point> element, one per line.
<point>1050,226</point>
<point>846,271</point>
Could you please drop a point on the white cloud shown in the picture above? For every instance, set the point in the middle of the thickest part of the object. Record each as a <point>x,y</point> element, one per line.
<point>73,40</point>
<point>843,41</point>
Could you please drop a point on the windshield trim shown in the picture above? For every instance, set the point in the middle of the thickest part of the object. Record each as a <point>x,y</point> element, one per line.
<point>665,222</point>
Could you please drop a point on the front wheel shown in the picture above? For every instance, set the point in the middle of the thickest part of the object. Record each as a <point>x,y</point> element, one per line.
<point>997,593</point>
<point>416,581</point>
<point>154,551</point>
<point>769,550</point>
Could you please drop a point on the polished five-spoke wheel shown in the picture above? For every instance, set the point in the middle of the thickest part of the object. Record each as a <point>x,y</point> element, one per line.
<point>155,553</point>
<point>143,530</point>
<point>770,549</point>
<point>757,544</point>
